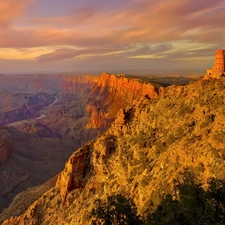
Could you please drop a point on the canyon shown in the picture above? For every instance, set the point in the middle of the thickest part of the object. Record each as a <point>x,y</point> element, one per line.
<point>119,159</point>
<point>34,123</point>
<point>25,109</point>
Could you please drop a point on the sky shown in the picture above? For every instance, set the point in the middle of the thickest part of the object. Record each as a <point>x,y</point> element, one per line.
<point>99,35</point>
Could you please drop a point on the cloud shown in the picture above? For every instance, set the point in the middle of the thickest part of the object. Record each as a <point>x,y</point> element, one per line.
<point>171,20</point>
<point>146,22</point>
<point>111,52</point>
<point>11,9</point>
<point>71,52</point>
<point>23,53</point>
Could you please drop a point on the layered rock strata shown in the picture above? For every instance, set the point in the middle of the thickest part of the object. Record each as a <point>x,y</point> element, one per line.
<point>112,93</point>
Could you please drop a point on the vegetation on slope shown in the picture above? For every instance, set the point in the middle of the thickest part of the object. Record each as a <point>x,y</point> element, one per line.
<point>190,204</point>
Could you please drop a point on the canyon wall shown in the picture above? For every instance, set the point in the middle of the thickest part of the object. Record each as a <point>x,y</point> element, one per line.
<point>89,104</point>
<point>112,93</point>
<point>148,146</point>
<point>28,109</point>
<point>77,84</point>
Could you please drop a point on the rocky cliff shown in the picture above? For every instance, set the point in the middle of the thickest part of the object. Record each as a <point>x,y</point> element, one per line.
<point>112,93</point>
<point>89,104</point>
<point>148,145</point>
<point>77,84</point>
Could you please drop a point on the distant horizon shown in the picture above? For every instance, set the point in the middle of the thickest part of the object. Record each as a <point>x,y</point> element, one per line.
<point>122,71</point>
<point>64,36</point>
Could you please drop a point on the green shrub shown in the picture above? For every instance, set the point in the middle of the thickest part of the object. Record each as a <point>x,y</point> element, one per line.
<point>191,204</point>
<point>115,210</point>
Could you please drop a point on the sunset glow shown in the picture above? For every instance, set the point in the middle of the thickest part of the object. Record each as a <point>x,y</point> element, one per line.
<point>66,36</point>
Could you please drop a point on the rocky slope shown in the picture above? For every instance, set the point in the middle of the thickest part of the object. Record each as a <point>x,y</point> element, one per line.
<point>30,156</point>
<point>17,107</point>
<point>148,145</point>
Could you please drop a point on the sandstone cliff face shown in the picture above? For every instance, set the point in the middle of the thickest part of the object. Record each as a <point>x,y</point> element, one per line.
<point>112,93</point>
<point>89,104</point>
<point>148,145</point>
<point>78,165</point>
<point>126,87</point>
<point>77,84</point>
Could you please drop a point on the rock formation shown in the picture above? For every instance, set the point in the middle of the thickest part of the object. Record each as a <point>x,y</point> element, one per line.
<point>77,84</point>
<point>89,104</point>
<point>112,93</point>
<point>149,144</point>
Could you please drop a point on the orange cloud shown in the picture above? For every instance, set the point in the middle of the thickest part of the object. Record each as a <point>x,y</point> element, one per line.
<point>11,9</point>
<point>145,21</point>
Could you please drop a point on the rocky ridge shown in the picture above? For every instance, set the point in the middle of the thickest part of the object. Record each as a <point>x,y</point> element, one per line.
<point>148,145</point>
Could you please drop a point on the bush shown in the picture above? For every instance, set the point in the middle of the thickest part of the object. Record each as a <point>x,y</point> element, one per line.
<point>191,204</point>
<point>115,210</point>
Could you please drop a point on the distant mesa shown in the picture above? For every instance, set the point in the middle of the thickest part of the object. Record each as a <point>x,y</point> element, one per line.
<point>218,70</point>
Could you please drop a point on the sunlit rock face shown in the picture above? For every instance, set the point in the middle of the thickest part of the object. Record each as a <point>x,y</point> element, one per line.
<point>90,104</point>
<point>108,94</point>
<point>112,93</point>
<point>49,126</point>
<point>144,150</point>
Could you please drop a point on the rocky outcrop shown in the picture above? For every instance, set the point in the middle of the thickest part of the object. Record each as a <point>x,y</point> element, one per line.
<point>76,170</point>
<point>128,88</point>
<point>112,93</point>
